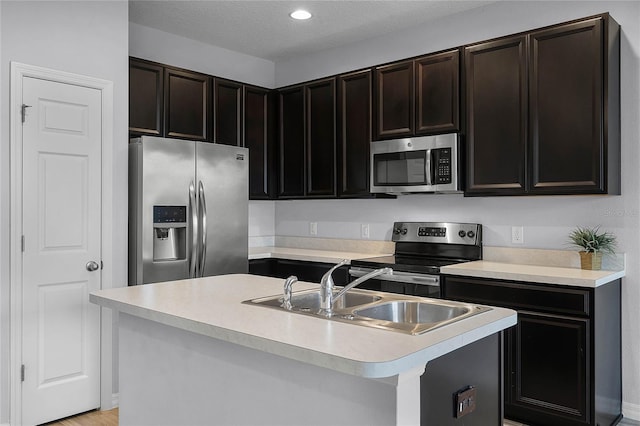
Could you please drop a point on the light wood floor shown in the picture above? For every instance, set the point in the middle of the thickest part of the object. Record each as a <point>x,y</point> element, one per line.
<point>91,418</point>
<point>110,418</point>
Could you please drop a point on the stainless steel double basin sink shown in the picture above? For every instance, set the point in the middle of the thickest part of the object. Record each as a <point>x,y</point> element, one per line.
<point>395,312</point>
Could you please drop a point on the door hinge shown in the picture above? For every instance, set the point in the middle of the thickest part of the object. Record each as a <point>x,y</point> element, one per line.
<point>24,111</point>
<point>22,373</point>
<point>22,243</point>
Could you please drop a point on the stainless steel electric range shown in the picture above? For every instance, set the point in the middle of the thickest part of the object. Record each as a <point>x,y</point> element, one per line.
<point>422,248</point>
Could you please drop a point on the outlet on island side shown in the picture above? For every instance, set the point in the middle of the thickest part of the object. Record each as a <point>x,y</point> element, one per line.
<point>517,235</point>
<point>364,231</point>
<point>313,228</point>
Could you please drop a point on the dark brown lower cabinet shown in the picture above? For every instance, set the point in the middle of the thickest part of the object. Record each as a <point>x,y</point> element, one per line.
<point>305,271</point>
<point>562,361</point>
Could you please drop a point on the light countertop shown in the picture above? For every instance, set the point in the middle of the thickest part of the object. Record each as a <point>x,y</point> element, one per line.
<point>533,273</point>
<point>212,306</point>
<point>310,255</point>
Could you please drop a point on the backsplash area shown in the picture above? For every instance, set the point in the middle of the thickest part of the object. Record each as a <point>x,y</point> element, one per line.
<point>546,221</point>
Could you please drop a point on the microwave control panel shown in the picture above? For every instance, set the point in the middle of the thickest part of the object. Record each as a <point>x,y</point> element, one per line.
<point>442,160</point>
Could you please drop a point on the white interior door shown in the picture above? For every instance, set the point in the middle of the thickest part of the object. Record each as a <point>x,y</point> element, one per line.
<point>61,201</point>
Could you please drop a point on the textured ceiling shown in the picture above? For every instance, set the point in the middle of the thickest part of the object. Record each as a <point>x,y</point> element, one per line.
<point>264,28</point>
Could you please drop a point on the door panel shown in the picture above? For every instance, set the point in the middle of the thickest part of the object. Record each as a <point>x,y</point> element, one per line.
<point>496,89</point>
<point>394,101</point>
<point>292,143</point>
<point>566,108</point>
<point>548,369</point>
<point>321,138</point>
<point>227,108</point>
<point>61,227</point>
<point>169,169</point>
<point>354,134</point>
<point>224,174</point>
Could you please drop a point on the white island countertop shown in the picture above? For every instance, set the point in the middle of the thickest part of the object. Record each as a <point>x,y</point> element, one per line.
<point>533,273</point>
<point>213,307</point>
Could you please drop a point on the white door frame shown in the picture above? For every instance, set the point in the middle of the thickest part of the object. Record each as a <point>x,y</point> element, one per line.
<point>18,72</point>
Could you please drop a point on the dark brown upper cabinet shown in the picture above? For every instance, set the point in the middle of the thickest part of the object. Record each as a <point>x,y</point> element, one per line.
<point>354,133</point>
<point>496,101</point>
<point>394,100</point>
<point>543,111</point>
<point>418,97</point>
<point>145,98</point>
<point>187,105</point>
<point>258,129</point>
<point>438,93</point>
<point>307,140</point>
<point>568,126</point>
<point>320,101</point>
<point>227,112</point>
<point>291,135</point>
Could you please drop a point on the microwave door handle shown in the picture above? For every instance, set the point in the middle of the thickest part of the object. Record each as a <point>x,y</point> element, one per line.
<point>428,168</point>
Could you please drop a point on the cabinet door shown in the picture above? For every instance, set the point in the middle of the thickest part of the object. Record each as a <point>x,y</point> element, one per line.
<point>227,107</point>
<point>145,98</point>
<point>438,93</point>
<point>321,138</point>
<point>354,133</point>
<point>292,146</point>
<point>187,105</point>
<point>496,98</point>
<point>566,109</point>
<point>394,100</point>
<point>547,380</point>
<point>258,131</point>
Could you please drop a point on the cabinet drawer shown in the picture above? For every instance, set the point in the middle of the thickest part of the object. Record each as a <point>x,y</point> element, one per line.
<point>518,296</point>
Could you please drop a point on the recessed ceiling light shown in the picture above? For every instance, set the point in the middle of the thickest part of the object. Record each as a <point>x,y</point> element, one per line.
<point>300,14</point>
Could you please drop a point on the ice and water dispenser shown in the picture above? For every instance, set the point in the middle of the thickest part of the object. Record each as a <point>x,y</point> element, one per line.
<point>169,233</point>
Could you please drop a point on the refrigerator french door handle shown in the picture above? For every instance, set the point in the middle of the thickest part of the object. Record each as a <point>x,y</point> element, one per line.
<point>203,212</point>
<point>193,256</point>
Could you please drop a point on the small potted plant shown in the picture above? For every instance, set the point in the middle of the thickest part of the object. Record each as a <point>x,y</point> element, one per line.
<point>592,243</point>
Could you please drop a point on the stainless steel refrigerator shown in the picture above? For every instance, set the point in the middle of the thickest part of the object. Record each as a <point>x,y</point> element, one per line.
<point>188,209</point>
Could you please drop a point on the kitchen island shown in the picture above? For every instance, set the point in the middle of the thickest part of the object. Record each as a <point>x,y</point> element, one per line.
<point>190,352</point>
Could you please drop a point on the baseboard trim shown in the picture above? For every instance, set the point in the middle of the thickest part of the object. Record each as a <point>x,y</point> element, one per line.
<point>114,400</point>
<point>631,411</point>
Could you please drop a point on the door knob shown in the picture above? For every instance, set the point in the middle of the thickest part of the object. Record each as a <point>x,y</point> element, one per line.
<point>92,266</point>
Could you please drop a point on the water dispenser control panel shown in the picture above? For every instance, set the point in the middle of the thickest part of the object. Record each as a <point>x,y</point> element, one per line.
<point>169,233</point>
<point>169,214</point>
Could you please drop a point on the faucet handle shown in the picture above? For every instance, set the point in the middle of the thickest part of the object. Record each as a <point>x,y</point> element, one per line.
<point>288,284</point>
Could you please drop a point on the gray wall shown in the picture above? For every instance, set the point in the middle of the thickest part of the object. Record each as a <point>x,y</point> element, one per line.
<point>159,46</point>
<point>89,38</point>
<point>546,220</point>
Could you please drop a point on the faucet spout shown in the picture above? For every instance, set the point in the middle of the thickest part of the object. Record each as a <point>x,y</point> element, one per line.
<point>326,287</point>
<point>362,279</point>
<point>326,291</point>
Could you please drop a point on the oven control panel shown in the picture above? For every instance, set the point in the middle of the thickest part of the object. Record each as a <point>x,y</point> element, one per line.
<point>438,232</point>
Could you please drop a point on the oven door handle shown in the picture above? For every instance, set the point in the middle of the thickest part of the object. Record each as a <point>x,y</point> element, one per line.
<point>401,277</point>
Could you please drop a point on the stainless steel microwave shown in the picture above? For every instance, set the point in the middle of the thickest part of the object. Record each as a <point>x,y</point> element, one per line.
<point>420,164</point>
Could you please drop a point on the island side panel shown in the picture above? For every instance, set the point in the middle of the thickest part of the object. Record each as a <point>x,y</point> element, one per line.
<point>170,376</point>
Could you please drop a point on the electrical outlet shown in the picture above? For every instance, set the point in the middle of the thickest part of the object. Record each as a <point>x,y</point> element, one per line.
<point>364,230</point>
<point>313,228</point>
<point>517,235</point>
